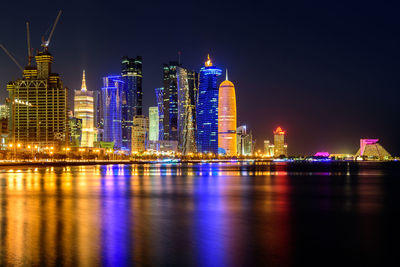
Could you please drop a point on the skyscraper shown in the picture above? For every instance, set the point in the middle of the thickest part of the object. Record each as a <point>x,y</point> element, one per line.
<point>111,97</point>
<point>38,105</point>
<point>160,106</point>
<point>207,109</point>
<point>170,97</point>
<point>153,123</point>
<point>227,143</point>
<point>140,132</point>
<point>132,95</point>
<point>245,143</point>
<point>280,148</point>
<point>98,116</point>
<point>187,94</point>
<point>84,110</point>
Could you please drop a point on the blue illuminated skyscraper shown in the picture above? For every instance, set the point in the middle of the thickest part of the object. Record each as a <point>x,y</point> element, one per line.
<point>112,104</point>
<point>207,109</point>
<point>160,106</point>
<point>132,95</point>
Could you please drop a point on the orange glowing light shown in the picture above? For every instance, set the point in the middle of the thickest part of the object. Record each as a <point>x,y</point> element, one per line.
<point>279,131</point>
<point>208,62</point>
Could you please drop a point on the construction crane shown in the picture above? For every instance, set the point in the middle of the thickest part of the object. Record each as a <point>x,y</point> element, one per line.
<point>28,40</point>
<point>45,44</point>
<point>12,58</point>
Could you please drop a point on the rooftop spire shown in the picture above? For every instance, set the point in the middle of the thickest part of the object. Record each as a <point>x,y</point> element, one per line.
<point>226,78</point>
<point>208,62</point>
<point>84,81</point>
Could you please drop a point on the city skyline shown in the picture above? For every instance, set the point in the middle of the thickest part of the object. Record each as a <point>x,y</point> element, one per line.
<point>338,102</point>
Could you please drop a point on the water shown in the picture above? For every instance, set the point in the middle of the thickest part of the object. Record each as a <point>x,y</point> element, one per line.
<point>282,214</point>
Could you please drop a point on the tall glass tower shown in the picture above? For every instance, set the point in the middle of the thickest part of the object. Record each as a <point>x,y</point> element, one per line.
<point>160,106</point>
<point>207,109</point>
<point>153,123</point>
<point>112,104</point>
<point>170,97</point>
<point>84,110</point>
<point>132,95</point>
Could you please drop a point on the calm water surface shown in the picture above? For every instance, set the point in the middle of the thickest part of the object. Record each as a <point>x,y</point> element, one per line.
<point>282,214</point>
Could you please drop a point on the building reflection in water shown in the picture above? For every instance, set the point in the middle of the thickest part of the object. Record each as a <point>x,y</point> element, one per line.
<point>155,214</point>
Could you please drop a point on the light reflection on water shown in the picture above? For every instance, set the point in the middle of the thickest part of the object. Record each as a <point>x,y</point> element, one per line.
<point>164,214</point>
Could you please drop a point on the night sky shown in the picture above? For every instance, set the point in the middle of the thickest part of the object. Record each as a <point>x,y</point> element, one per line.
<point>327,72</point>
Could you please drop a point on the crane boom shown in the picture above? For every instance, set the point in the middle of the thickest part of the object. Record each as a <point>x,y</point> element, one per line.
<point>12,58</point>
<point>46,44</point>
<point>28,40</point>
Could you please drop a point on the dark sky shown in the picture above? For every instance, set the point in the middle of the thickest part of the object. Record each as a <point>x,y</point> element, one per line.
<point>326,71</point>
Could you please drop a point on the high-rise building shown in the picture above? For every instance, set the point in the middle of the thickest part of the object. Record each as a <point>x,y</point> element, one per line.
<point>98,116</point>
<point>227,141</point>
<point>187,94</point>
<point>170,97</point>
<point>38,105</point>
<point>280,148</point>
<point>207,109</point>
<point>245,143</point>
<point>268,148</point>
<point>132,95</point>
<point>111,97</point>
<point>84,110</point>
<point>153,123</point>
<point>179,106</point>
<point>75,131</point>
<point>160,106</point>
<point>140,133</point>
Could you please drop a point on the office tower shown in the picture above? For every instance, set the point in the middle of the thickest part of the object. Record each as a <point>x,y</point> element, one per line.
<point>245,143</point>
<point>98,116</point>
<point>84,110</point>
<point>187,94</point>
<point>170,97</point>
<point>207,109</point>
<point>160,106</point>
<point>227,141</point>
<point>75,130</point>
<point>132,95</point>
<point>370,148</point>
<point>268,148</point>
<point>140,132</point>
<point>111,98</point>
<point>280,148</point>
<point>4,118</point>
<point>153,123</point>
<point>38,105</point>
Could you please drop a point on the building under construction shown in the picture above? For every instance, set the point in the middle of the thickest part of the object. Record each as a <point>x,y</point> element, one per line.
<point>38,105</point>
<point>38,102</point>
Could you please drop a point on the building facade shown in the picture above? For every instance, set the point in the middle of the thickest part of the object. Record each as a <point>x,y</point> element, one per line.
<point>187,94</point>
<point>38,105</point>
<point>153,124</point>
<point>84,110</point>
<point>160,106</point>
<point>111,98</point>
<point>140,134</point>
<point>170,101</point>
<point>132,95</point>
<point>207,109</point>
<point>227,141</point>
<point>280,148</point>
<point>245,143</point>
<point>98,116</point>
